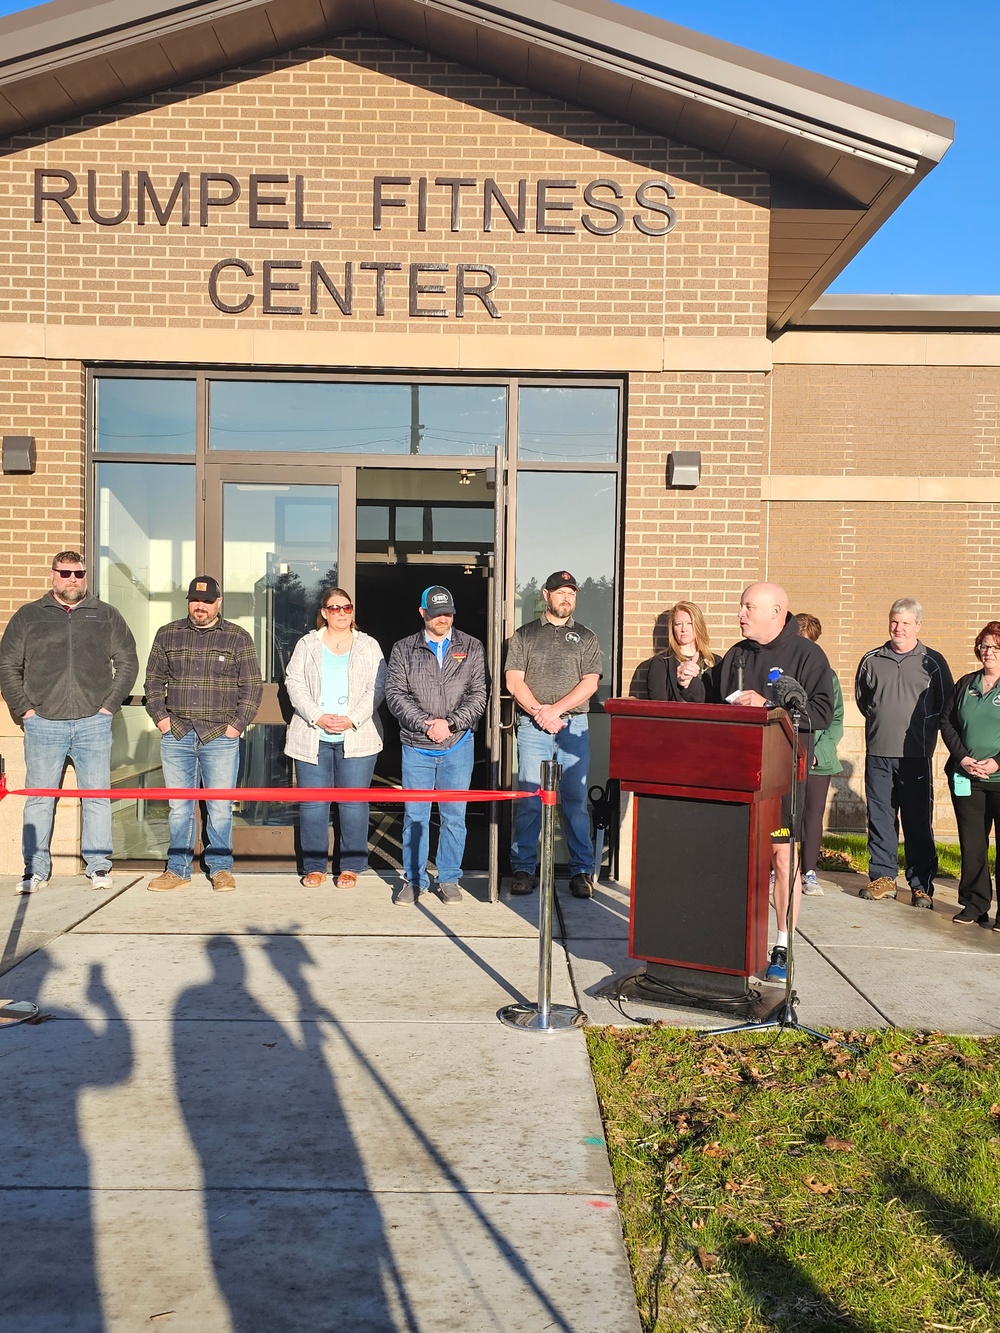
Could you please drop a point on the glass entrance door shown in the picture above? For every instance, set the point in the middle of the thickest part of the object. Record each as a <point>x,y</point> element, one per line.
<point>279,537</point>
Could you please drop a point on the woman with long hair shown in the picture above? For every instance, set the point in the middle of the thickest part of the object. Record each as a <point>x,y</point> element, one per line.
<point>680,674</point>
<point>335,681</point>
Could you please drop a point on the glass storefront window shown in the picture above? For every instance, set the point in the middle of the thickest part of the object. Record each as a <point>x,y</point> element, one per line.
<point>145,561</point>
<point>567,425</point>
<point>144,416</point>
<point>566,520</point>
<point>331,418</point>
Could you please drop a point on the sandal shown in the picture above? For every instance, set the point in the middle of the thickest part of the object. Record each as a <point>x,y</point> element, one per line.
<point>347,879</point>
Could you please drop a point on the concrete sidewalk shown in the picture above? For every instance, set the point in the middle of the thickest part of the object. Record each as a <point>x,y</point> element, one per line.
<point>287,1109</point>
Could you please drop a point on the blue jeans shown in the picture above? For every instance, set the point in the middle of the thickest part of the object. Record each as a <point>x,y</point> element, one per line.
<point>47,746</point>
<point>571,748</point>
<point>189,762</point>
<point>334,769</point>
<point>451,769</point>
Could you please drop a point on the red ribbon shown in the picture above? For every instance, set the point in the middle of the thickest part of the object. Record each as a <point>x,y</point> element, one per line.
<point>378,795</point>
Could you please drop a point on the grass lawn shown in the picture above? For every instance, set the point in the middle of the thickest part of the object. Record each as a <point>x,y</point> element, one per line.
<point>855,847</point>
<point>767,1182</point>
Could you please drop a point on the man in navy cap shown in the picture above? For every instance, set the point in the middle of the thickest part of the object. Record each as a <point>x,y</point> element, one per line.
<point>436,689</point>
<point>553,668</point>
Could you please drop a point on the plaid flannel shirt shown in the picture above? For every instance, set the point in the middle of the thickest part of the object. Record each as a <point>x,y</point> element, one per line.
<point>206,679</point>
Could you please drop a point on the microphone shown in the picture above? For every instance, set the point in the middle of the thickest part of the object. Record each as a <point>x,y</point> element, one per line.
<point>788,693</point>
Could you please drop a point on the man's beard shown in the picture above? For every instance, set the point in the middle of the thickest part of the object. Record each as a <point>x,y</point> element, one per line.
<point>72,595</point>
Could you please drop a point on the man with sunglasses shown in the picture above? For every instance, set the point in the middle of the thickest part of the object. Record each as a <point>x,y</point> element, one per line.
<point>203,689</point>
<point>67,662</point>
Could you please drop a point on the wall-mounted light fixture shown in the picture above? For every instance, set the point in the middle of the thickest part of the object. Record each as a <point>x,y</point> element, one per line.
<point>18,453</point>
<point>683,470</point>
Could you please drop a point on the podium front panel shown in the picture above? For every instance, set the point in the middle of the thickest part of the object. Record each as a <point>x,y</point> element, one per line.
<point>689,898</point>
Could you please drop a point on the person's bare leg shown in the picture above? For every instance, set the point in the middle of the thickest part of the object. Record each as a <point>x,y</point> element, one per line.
<point>780,853</point>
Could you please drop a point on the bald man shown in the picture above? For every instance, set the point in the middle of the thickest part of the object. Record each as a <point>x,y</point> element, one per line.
<point>772,644</point>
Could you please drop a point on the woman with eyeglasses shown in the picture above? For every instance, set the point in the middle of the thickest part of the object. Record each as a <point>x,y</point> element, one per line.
<point>335,681</point>
<point>970,727</point>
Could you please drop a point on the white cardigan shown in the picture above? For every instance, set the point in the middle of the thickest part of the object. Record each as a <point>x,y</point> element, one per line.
<point>365,691</point>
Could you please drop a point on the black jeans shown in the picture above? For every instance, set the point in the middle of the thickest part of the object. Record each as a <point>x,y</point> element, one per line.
<point>899,791</point>
<point>976,814</point>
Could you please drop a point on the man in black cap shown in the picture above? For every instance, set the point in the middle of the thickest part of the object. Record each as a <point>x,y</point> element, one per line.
<point>553,667</point>
<point>436,687</point>
<point>203,689</point>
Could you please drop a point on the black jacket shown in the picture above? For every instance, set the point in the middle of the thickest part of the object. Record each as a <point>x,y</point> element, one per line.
<point>795,656</point>
<point>661,682</point>
<point>66,664</point>
<point>417,689</point>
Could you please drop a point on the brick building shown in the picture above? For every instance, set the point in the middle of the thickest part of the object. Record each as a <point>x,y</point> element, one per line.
<point>416,292</point>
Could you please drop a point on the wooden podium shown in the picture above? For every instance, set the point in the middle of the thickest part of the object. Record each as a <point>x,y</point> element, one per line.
<point>708,782</point>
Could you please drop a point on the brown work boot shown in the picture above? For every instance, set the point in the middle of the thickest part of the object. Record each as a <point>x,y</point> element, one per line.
<point>884,887</point>
<point>223,882</point>
<point>165,882</point>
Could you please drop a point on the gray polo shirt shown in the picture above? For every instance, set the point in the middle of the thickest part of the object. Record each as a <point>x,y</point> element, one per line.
<point>554,658</point>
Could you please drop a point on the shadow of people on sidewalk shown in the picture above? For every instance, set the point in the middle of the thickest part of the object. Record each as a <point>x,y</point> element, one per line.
<point>296,1237</point>
<point>49,1268</point>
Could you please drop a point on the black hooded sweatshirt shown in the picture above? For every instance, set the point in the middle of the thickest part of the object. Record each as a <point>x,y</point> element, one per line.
<point>794,656</point>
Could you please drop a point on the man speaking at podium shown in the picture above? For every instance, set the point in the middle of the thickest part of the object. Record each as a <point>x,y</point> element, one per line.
<point>749,677</point>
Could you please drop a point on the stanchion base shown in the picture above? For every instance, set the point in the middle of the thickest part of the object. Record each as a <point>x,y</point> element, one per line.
<point>562,1017</point>
<point>16,1011</point>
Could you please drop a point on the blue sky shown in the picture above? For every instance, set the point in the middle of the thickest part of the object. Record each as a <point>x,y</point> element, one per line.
<point>942,58</point>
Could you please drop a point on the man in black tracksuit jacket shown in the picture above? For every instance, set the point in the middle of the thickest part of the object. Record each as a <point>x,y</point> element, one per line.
<point>772,643</point>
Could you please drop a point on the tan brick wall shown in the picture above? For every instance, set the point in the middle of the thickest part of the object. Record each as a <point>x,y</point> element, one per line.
<point>339,116</point>
<point>41,514</point>
<point>885,420</point>
<point>847,562</point>
<point>702,545</point>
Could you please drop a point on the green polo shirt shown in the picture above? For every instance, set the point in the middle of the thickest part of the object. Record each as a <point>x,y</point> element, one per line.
<point>979,715</point>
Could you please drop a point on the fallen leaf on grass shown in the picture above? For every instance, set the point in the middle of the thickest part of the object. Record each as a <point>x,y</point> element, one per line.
<point>750,1239</point>
<point>697,1224</point>
<point>705,1260</point>
<point>714,1150</point>
<point>995,1112</point>
<point>817,1186</point>
<point>838,1145</point>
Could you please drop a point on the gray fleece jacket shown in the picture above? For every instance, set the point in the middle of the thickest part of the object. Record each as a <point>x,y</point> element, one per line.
<point>66,664</point>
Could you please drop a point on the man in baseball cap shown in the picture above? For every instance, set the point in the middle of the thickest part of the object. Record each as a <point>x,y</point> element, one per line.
<point>203,689</point>
<point>436,687</point>
<point>553,668</point>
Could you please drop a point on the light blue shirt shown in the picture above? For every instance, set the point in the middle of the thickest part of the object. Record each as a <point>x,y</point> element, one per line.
<point>334,690</point>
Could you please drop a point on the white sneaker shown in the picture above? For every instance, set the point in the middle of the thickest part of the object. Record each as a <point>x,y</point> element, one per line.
<point>101,879</point>
<point>31,884</point>
<point>811,887</point>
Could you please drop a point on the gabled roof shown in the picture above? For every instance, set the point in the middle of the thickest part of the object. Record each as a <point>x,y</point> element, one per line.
<point>841,159</point>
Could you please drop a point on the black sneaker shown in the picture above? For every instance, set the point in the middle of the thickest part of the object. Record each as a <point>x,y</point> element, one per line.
<point>968,915</point>
<point>407,895</point>
<point>581,886</point>
<point>523,882</point>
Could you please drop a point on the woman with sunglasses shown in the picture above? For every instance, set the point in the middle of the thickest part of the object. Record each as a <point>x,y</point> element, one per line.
<point>970,727</point>
<point>335,681</point>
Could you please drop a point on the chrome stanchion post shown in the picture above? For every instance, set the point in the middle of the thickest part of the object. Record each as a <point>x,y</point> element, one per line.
<point>545,1016</point>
